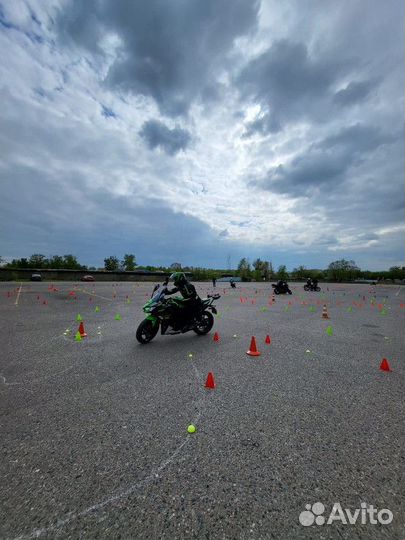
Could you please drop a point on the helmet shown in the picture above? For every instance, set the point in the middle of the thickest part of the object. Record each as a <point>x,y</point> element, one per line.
<point>178,278</point>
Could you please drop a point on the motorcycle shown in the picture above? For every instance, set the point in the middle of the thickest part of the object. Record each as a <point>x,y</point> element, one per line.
<point>164,312</point>
<point>281,288</point>
<point>232,283</point>
<point>311,287</point>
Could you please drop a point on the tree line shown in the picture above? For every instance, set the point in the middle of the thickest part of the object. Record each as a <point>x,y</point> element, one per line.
<point>258,270</point>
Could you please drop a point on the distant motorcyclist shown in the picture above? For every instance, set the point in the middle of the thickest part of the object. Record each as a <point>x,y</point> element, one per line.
<point>309,282</point>
<point>188,292</point>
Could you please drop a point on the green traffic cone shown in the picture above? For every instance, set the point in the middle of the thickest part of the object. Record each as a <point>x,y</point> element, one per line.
<point>79,318</point>
<point>78,337</point>
<point>117,317</point>
<point>97,309</point>
<point>329,331</point>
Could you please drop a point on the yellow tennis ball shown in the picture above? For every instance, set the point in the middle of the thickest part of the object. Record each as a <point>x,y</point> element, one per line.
<point>191,428</point>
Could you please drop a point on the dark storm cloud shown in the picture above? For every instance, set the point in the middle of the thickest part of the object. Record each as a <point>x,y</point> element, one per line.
<point>354,92</point>
<point>107,112</point>
<point>171,51</point>
<point>156,134</point>
<point>266,124</point>
<point>48,214</point>
<point>287,81</point>
<point>325,163</point>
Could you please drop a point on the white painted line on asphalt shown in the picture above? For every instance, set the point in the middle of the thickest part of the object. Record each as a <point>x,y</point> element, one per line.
<point>398,291</point>
<point>71,516</point>
<point>18,295</point>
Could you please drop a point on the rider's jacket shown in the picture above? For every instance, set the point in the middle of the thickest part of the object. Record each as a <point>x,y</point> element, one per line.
<point>187,290</point>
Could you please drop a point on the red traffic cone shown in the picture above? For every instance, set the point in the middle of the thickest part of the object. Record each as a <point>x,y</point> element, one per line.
<point>81,330</point>
<point>253,348</point>
<point>44,302</point>
<point>210,383</point>
<point>325,312</point>
<point>268,340</point>
<point>216,337</point>
<point>384,366</point>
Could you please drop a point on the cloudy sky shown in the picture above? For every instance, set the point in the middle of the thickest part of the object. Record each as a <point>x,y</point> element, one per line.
<point>203,131</point>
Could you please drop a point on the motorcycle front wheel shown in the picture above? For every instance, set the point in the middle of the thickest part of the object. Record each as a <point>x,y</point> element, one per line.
<point>146,331</point>
<point>306,288</point>
<point>204,323</point>
<point>276,291</point>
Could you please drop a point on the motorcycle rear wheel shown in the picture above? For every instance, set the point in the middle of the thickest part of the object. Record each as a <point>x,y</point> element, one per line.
<point>205,323</point>
<point>146,331</point>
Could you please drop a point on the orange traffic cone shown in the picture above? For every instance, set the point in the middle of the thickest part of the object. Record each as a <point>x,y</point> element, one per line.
<point>268,340</point>
<point>210,383</point>
<point>216,337</point>
<point>384,366</point>
<point>325,312</point>
<point>253,348</point>
<point>81,330</point>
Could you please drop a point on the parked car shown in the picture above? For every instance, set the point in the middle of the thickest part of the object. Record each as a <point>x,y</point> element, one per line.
<point>36,277</point>
<point>87,278</point>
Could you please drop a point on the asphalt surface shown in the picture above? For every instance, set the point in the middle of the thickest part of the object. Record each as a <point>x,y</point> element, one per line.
<point>94,434</point>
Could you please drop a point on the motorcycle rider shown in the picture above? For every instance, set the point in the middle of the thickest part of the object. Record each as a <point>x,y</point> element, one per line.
<point>314,284</point>
<point>309,282</point>
<point>187,290</point>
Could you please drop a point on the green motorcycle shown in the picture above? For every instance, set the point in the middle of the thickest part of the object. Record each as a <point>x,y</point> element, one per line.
<point>166,313</point>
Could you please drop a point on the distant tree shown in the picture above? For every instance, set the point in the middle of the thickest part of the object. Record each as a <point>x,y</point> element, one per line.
<point>300,272</point>
<point>200,274</point>
<point>343,270</point>
<point>175,266</point>
<point>56,262</point>
<point>111,263</point>
<point>258,266</point>
<point>396,272</point>
<point>129,262</point>
<point>244,269</point>
<point>37,261</point>
<point>282,272</point>
<point>70,262</point>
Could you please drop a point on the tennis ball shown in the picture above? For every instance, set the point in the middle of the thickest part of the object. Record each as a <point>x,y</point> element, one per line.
<point>191,428</point>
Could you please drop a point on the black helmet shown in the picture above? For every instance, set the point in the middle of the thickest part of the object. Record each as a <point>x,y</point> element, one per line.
<point>178,278</point>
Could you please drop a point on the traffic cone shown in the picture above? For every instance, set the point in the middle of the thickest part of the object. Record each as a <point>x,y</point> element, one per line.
<point>384,366</point>
<point>253,348</point>
<point>117,317</point>
<point>210,383</point>
<point>325,312</point>
<point>267,340</point>
<point>78,337</point>
<point>79,318</point>
<point>216,337</point>
<point>81,330</point>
